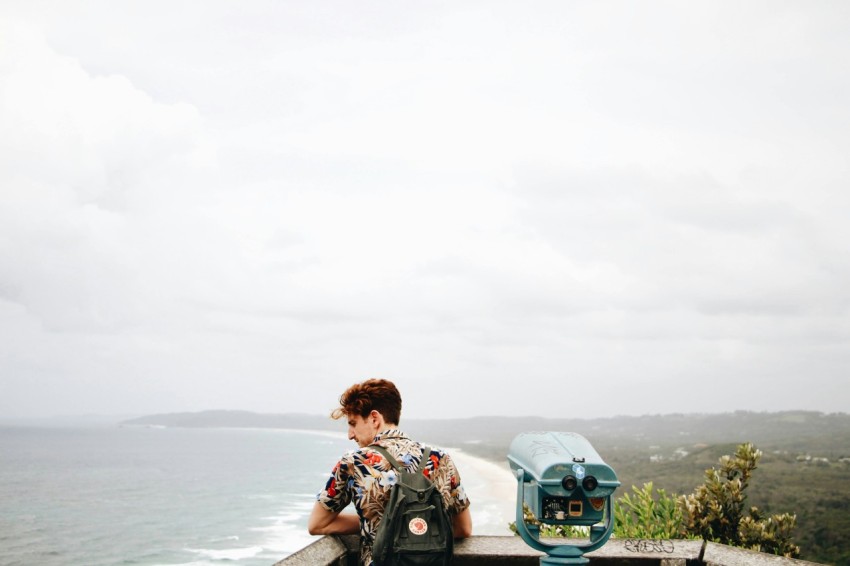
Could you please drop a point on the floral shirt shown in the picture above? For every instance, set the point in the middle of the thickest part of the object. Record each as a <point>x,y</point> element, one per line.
<point>365,477</point>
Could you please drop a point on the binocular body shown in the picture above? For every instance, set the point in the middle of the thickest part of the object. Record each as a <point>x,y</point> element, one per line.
<point>564,481</point>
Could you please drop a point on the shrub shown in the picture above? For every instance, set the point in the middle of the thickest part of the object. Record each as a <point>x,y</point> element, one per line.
<point>547,530</point>
<point>647,516</point>
<point>715,511</point>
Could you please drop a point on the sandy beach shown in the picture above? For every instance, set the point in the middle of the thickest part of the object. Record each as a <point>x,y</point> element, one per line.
<point>491,488</point>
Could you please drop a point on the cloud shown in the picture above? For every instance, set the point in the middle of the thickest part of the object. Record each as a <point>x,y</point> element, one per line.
<point>466,199</point>
<point>84,158</point>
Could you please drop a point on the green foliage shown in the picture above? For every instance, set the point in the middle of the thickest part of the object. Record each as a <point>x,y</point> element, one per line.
<point>645,515</point>
<point>648,514</point>
<point>715,511</point>
<point>547,530</point>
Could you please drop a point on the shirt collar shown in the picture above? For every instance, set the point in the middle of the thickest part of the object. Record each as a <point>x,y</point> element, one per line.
<point>389,433</point>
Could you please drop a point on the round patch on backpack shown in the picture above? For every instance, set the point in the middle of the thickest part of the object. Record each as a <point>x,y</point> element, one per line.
<point>418,526</point>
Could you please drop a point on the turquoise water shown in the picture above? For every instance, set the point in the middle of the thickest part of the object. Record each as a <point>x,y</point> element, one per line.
<point>148,496</point>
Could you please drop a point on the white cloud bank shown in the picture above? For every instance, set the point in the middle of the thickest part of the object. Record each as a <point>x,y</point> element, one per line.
<point>571,211</point>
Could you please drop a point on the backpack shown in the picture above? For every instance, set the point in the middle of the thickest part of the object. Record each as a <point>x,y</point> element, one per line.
<point>415,529</point>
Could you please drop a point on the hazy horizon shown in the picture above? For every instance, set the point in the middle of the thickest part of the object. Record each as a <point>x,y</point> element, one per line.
<point>599,209</point>
<point>117,418</point>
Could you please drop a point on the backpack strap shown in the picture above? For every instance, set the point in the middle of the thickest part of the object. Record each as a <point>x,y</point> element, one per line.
<point>426,453</point>
<point>395,463</point>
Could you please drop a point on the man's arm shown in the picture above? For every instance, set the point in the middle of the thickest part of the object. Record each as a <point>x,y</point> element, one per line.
<point>462,524</point>
<point>324,522</point>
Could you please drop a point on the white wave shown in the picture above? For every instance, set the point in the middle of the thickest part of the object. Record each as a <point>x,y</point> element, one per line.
<point>220,539</point>
<point>263,496</point>
<point>228,553</point>
<point>286,533</point>
<point>284,538</point>
<point>280,519</point>
<point>304,507</point>
<point>297,495</point>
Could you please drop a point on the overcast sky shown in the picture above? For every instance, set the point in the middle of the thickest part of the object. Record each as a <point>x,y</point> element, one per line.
<point>556,208</point>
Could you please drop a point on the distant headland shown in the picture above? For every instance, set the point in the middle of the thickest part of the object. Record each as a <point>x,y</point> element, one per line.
<point>488,436</point>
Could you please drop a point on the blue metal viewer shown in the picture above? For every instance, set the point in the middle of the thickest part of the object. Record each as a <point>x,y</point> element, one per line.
<point>563,481</point>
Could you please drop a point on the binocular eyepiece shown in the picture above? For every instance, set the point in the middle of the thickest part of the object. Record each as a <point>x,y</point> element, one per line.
<point>589,483</point>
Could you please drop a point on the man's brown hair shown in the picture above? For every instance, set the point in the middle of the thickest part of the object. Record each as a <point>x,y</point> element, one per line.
<point>373,394</point>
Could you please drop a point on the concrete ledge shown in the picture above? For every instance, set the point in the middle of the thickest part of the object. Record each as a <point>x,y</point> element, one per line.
<point>722,555</point>
<point>647,551</point>
<point>498,551</point>
<point>512,551</point>
<point>330,551</point>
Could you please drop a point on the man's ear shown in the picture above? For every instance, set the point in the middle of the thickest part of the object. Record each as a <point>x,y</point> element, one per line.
<point>376,417</point>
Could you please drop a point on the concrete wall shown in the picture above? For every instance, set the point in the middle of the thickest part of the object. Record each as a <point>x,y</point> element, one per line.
<point>512,551</point>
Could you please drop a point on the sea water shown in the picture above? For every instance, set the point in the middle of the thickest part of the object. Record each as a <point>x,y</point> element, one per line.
<point>170,496</point>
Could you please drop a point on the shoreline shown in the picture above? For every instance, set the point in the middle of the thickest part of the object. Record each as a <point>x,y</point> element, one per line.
<point>491,488</point>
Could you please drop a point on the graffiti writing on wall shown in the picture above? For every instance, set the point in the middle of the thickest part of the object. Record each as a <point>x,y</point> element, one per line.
<point>641,545</point>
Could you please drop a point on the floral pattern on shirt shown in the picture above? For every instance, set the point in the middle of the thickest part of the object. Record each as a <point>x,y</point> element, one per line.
<point>365,477</point>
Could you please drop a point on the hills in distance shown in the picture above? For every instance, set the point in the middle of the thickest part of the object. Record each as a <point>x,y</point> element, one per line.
<point>798,431</point>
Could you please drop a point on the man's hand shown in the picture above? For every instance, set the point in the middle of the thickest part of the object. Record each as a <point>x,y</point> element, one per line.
<point>324,522</point>
<point>462,524</point>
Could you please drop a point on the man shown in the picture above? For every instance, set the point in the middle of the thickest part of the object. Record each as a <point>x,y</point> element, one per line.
<point>364,476</point>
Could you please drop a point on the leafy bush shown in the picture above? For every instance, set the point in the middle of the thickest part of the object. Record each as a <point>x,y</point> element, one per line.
<point>647,516</point>
<point>715,511</point>
<point>547,530</point>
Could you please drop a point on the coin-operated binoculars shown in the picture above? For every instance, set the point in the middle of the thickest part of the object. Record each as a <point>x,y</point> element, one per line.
<point>564,482</point>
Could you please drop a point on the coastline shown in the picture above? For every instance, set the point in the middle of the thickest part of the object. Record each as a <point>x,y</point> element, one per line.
<point>491,488</point>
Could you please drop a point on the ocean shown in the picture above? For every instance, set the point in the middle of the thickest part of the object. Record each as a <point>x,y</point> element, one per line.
<point>116,495</point>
